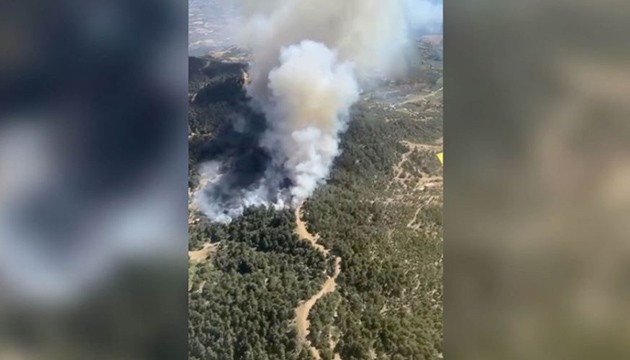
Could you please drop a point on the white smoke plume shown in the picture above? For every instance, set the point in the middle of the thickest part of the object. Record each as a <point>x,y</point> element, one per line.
<point>309,58</point>
<point>311,96</point>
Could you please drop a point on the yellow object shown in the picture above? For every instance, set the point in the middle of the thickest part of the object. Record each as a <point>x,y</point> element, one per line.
<point>440,156</point>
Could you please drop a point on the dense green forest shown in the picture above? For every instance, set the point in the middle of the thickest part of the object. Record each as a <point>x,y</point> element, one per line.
<point>242,300</point>
<point>380,212</point>
<point>389,303</point>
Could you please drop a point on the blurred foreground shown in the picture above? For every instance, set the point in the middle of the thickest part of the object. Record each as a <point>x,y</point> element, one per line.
<point>93,171</point>
<point>537,180</point>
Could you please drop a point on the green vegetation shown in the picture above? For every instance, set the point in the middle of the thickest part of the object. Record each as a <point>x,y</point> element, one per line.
<point>390,293</point>
<point>242,301</point>
<point>387,232</point>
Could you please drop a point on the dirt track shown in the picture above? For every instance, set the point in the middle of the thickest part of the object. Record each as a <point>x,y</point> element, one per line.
<point>302,232</point>
<point>301,312</point>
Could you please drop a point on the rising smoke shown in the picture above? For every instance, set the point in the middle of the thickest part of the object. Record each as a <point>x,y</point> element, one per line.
<point>312,93</point>
<point>309,61</point>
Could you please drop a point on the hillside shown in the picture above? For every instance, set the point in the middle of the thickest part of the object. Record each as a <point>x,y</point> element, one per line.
<point>362,261</point>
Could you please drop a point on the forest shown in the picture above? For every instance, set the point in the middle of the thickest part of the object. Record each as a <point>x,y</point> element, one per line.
<point>379,212</point>
<point>241,302</point>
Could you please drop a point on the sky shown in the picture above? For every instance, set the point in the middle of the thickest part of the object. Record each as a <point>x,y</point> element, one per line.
<point>212,24</point>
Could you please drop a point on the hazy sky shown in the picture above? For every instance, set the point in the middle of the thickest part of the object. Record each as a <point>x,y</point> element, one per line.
<point>212,23</point>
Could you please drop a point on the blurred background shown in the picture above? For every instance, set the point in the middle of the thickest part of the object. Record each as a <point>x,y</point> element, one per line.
<point>537,180</point>
<point>93,176</point>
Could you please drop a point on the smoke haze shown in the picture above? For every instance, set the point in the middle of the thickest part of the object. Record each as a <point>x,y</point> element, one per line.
<point>309,60</point>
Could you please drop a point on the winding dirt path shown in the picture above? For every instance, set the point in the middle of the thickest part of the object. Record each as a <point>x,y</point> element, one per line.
<point>302,232</point>
<point>304,308</point>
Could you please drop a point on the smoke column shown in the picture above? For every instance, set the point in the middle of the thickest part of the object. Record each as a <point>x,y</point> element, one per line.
<point>309,59</point>
<point>312,93</point>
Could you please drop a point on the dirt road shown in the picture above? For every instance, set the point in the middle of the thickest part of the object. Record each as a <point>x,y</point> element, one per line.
<point>304,308</point>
